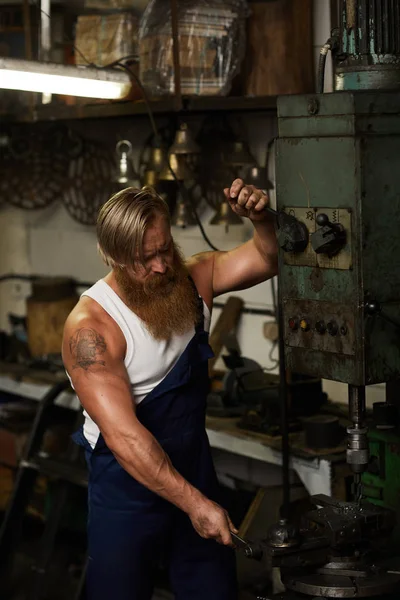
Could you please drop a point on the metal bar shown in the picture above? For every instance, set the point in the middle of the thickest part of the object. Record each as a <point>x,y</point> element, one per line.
<point>27,30</point>
<point>357,404</point>
<point>45,39</point>
<point>37,590</point>
<point>387,23</point>
<point>379,27</point>
<point>363,27</point>
<point>283,401</point>
<point>12,522</point>
<point>175,51</point>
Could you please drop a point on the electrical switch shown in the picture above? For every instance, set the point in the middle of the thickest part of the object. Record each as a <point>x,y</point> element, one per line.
<point>329,238</point>
<point>304,325</point>
<point>332,328</point>
<point>293,324</point>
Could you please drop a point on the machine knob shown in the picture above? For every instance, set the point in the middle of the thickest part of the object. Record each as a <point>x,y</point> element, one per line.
<point>292,234</point>
<point>320,327</point>
<point>332,328</point>
<point>329,238</point>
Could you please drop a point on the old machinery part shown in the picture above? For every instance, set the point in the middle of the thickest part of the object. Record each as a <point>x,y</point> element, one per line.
<point>329,238</point>
<point>353,583</point>
<point>283,535</point>
<point>250,549</point>
<point>368,56</point>
<point>292,234</point>
<point>331,559</point>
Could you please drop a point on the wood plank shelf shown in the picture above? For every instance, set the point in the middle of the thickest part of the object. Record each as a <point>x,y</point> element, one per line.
<point>164,106</point>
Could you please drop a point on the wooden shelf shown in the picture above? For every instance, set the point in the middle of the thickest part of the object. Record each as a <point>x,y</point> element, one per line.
<point>165,106</point>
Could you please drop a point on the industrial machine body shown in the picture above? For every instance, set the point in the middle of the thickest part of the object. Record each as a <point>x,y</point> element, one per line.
<point>337,172</point>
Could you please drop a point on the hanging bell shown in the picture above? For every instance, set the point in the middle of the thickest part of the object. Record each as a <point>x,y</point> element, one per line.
<point>257,176</point>
<point>239,156</point>
<point>150,178</point>
<point>183,215</point>
<point>225,216</point>
<point>157,160</point>
<point>184,142</point>
<point>125,175</point>
<point>179,168</point>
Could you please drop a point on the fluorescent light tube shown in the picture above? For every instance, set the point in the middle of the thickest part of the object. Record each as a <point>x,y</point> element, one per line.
<point>52,78</point>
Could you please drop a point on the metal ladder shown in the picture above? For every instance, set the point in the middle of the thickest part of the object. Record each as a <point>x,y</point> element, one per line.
<point>65,473</point>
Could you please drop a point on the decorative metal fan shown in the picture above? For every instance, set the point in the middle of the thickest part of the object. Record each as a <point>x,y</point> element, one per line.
<point>32,170</point>
<point>90,183</point>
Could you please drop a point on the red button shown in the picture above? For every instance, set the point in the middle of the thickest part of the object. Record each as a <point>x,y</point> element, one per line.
<point>293,323</point>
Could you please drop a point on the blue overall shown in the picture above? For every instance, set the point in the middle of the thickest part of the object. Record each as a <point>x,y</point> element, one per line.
<point>131,530</point>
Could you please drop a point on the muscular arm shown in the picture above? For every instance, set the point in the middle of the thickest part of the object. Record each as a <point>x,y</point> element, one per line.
<point>93,357</point>
<point>251,263</point>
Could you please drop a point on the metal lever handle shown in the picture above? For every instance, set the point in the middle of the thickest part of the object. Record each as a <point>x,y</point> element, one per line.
<point>250,551</point>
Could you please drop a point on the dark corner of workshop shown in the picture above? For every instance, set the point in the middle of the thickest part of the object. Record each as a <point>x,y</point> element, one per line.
<point>199,299</point>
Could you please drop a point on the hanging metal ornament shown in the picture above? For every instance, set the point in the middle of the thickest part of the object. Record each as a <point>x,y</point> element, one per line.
<point>154,152</point>
<point>225,216</point>
<point>125,175</point>
<point>183,215</point>
<point>179,168</point>
<point>32,169</point>
<point>184,143</point>
<point>90,183</point>
<point>257,176</point>
<point>239,156</point>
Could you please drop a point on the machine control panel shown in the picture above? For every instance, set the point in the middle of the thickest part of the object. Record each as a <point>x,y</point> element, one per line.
<point>329,243</point>
<point>324,326</point>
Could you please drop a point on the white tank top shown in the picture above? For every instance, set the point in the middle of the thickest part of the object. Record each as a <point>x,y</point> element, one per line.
<point>147,361</point>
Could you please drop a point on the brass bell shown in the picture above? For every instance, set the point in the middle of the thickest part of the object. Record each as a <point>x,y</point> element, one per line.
<point>125,175</point>
<point>183,215</point>
<point>239,156</point>
<point>257,176</point>
<point>179,168</point>
<point>150,178</point>
<point>157,159</point>
<point>225,216</point>
<point>184,142</point>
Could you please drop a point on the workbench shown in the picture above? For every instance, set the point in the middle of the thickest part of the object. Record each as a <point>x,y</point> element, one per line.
<point>240,453</point>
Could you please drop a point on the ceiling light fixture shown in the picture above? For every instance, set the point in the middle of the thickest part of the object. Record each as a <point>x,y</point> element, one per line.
<point>52,78</point>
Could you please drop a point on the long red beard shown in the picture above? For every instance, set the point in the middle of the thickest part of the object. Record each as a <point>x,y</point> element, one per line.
<point>167,303</point>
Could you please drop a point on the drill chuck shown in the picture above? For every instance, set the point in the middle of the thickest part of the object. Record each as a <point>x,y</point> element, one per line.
<point>357,449</point>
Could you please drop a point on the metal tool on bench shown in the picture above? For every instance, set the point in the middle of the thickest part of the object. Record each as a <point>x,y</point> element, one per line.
<point>337,172</point>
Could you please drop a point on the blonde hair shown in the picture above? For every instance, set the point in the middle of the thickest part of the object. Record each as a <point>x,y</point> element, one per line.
<point>122,222</point>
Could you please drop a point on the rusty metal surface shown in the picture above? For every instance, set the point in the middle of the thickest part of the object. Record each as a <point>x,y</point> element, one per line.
<point>356,176</point>
<point>315,312</point>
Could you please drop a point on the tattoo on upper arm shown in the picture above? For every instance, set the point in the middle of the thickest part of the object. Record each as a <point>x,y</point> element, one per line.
<point>86,346</point>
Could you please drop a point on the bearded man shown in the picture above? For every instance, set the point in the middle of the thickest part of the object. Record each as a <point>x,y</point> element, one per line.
<point>136,350</point>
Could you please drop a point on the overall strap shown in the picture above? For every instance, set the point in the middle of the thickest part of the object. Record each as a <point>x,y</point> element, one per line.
<point>200,317</point>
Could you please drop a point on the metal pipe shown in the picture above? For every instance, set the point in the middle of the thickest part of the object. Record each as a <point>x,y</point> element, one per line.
<point>283,402</point>
<point>175,53</point>
<point>27,30</point>
<point>357,404</point>
<point>45,39</point>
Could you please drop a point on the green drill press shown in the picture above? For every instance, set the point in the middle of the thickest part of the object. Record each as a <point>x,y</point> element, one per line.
<point>337,172</point>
